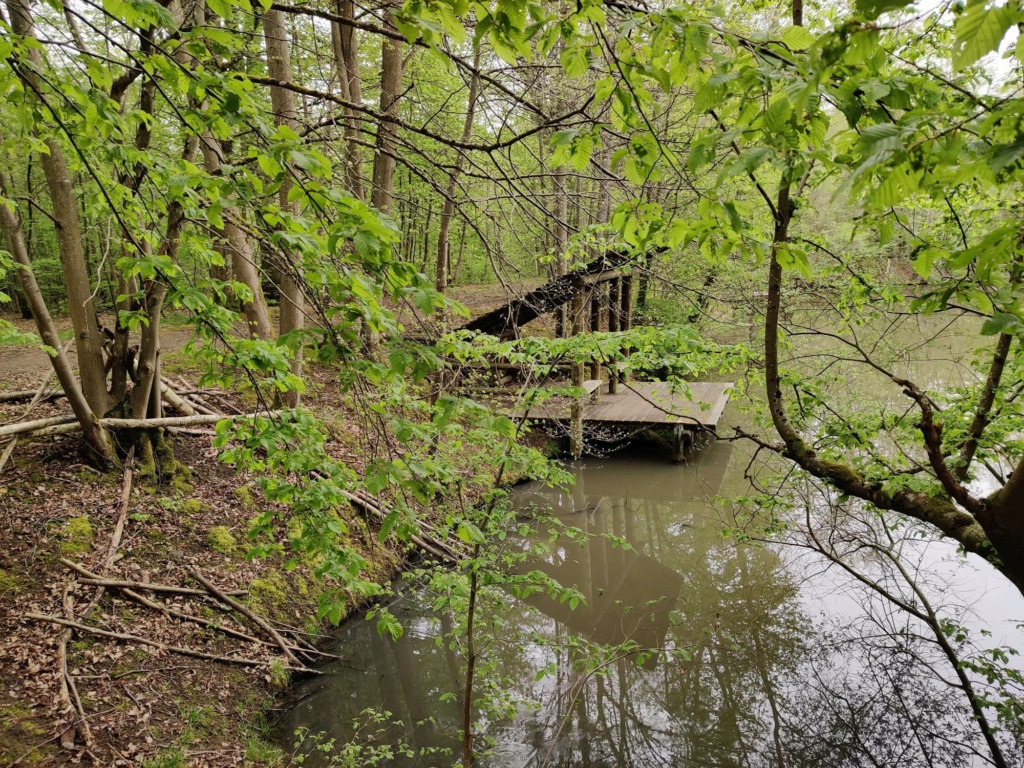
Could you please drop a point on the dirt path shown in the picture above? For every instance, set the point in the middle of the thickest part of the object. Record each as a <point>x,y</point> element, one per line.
<point>21,367</point>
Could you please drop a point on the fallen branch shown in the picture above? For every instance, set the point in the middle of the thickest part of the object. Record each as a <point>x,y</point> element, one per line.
<point>92,580</point>
<point>166,421</point>
<point>189,407</point>
<point>200,402</point>
<point>70,700</point>
<point>60,424</point>
<point>122,518</point>
<point>254,617</point>
<point>29,394</point>
<point>175,400</point>
<point>157,644</point>
<point>10,430</point>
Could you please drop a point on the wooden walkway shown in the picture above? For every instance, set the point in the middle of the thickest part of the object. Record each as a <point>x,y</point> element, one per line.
<point>688,418</point>
<point>644,403</point>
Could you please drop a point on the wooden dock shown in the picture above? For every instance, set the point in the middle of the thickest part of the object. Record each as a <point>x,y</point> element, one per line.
<point>643,405</point>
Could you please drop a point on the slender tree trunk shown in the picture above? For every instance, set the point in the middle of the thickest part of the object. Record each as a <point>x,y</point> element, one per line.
<point>88,342</point>
<point>345,41</point>
<point>279,67</point>
<point>560,214</point>
<point>390,91</point>
<point>234,245</point>
<point>95,437</point>
<point>448,211</point>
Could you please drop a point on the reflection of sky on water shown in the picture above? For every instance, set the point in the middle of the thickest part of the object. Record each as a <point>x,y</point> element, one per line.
<point>770,635</point>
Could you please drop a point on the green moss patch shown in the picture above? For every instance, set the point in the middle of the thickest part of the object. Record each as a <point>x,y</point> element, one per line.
<point>8,582</point>
<point>76,536</point>
<point>221,540</point>
<point>22,737</point>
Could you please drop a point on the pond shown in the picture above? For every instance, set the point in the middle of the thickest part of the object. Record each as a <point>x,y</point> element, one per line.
<point>760,655</point>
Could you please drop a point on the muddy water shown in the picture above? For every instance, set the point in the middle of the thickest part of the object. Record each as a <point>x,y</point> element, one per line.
<point>759,655</point>
<point>691,648</point>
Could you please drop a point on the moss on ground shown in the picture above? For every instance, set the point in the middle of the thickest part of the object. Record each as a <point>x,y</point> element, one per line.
<point>8,582</point>
<point>76,536</point>
<point>269,594</point>
<point>245,497</point>
<point>221,540</point>
<point>22,738</point>
<point>193,506</point>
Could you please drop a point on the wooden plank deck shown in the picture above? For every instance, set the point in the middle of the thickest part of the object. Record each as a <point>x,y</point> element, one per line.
<point>645,403</point>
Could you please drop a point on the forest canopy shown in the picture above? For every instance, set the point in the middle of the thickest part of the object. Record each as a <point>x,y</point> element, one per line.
<point>307,180</point>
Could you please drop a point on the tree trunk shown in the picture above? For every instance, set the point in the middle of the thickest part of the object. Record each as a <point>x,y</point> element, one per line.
<point>88,343</point>
<point>448,211</point>
<point>346,55</point>
<point>234,245</point>
<point>279,68</point>
<point>95,437</point>
<point>390,91</point>
<point>504,322</point>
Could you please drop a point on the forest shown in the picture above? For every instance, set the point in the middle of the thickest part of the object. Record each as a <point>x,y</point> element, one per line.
<point>511,383</point>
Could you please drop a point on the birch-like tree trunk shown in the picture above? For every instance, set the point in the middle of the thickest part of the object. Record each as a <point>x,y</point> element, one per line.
<point>279,68</point>
<point>391,66</point>
<point>345,41</point>
<point>448,211</point>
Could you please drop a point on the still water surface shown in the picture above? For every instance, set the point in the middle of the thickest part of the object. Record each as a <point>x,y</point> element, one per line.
<point>761,655</point>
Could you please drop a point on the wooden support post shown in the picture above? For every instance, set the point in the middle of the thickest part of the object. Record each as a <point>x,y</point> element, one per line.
<point>626,319</point>
<point>680,441</point>
<point>614,291</point>
<point>595,327</point>
<point>576,411</point>
<point>626,308</point>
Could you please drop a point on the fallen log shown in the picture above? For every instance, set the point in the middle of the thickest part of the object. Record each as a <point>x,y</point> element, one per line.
<point>60,424</point>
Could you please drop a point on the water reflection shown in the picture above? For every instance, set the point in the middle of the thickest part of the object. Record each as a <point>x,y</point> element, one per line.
<point>709,653</point>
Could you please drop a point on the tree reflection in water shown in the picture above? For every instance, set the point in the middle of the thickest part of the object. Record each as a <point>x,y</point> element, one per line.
<point>691,650</point>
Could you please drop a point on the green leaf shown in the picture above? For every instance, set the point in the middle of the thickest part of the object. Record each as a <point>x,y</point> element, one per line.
<point>1000,322</point>
<point>575,60</point>
<point>797,38</point>
<point>872,9</point>
<point>776,117</point>
<point>221,7</point>
<point>979,31</point>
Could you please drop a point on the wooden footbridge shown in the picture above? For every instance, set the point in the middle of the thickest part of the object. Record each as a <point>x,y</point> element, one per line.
<point>593,298</point>
<point>683,418</point>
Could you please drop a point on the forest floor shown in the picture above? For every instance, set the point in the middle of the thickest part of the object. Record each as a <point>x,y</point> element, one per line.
<point>146,705</point>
